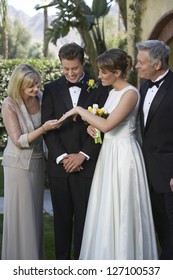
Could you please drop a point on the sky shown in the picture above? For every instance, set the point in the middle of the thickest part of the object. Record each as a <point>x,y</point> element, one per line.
<point>28,5</point>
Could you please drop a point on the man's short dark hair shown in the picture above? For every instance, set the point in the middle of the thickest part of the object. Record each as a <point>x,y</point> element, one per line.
<point>71,51</point>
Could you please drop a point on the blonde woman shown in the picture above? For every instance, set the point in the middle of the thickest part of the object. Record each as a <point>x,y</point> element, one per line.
<point>23,164</point>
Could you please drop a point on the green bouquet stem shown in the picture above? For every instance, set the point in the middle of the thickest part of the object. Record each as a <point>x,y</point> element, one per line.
<point>97,138</point>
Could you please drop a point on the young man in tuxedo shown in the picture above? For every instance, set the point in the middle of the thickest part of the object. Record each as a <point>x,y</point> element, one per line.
<point>72,153</point>
<point>156,117</point>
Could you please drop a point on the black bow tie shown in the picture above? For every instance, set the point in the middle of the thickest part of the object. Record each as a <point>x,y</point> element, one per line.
<point>157,83</point>
<point>78,84</point>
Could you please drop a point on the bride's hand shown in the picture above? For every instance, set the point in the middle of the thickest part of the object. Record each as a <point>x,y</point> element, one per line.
<point>72,112</point>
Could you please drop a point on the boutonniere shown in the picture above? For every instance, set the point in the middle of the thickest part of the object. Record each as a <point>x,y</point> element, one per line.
<point>91,85</point>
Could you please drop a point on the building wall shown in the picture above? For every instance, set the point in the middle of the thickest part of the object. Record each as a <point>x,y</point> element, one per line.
<point>157,23</point>
<point>152,13</point>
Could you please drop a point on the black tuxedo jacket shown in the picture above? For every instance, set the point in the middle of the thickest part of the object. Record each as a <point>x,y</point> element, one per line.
<point>71,137</point>
<point>157,135</point>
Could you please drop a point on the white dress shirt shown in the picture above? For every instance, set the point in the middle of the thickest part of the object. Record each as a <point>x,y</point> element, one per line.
<point>74,93</point>
<point>150,96</point>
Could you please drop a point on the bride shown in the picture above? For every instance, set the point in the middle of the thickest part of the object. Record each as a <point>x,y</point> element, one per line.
<point>119,223</point>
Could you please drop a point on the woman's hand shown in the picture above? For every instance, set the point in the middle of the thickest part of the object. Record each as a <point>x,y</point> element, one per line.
<point>50,125</point>
<point>91,131</point>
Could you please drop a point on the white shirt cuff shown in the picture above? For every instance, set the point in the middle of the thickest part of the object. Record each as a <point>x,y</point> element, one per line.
<point>87,157</point>
<point>58,159</point>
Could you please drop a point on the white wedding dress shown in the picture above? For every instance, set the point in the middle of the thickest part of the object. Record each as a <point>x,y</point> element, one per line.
<point>119,223</point>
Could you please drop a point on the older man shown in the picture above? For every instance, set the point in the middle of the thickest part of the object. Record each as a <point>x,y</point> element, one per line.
<point>157,135</point>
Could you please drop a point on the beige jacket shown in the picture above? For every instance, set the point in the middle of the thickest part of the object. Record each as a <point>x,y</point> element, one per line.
<point>18,124</point>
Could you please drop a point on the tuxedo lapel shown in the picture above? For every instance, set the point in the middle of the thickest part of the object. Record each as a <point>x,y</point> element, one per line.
<point>143,94</point>
<point>84,93</point>
<point>154,105</point>
<point>83,96</point>
<point>162,92</point>
<point>66,97</point>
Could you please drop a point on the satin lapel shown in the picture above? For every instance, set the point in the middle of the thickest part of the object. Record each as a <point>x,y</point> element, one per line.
<point>84,94</point>
<point>83,97</point>
<point>163,90</point>
<point>154,105</point>
<point>66,96</point>
<point>143,94</point>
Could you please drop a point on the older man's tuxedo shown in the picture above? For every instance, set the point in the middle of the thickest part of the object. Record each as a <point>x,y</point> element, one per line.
<point>157,145</point>
<point>69,191</point>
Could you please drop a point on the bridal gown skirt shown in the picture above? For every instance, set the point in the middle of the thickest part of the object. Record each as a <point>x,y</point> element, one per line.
<point>119,223</point>
<point>23,212</point>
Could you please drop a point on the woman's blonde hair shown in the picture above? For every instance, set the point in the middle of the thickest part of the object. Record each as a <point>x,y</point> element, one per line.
<point>23,76</point>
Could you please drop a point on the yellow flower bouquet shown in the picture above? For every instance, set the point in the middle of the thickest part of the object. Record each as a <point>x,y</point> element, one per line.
<point>101,112</point>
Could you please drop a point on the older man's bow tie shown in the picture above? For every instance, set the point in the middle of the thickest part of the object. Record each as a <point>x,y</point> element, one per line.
<point>78,84</point>
<point>157,83</point>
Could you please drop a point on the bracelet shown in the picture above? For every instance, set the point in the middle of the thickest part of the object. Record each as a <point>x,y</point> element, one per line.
<point>44,131</point>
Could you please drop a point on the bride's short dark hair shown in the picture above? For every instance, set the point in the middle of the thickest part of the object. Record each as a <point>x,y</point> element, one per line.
<point>112,60</point>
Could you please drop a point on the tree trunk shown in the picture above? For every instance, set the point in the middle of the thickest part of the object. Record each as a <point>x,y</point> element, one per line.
<point>5,42</point>
<point>45,45</point>
<point>123,10</point>
<point>90,50</point>
<point>98,39</point>
<point>3,15</point>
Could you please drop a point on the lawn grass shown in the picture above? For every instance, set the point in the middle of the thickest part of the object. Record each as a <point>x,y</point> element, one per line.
<point>48,236</point>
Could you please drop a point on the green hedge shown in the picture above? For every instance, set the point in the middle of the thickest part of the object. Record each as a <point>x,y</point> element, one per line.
<point>49,70</point>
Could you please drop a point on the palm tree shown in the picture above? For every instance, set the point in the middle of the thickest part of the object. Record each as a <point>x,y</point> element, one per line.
<point>77,14</point>
<point>45,46</point>
<point>123,10</point>
<point>45,13</point>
